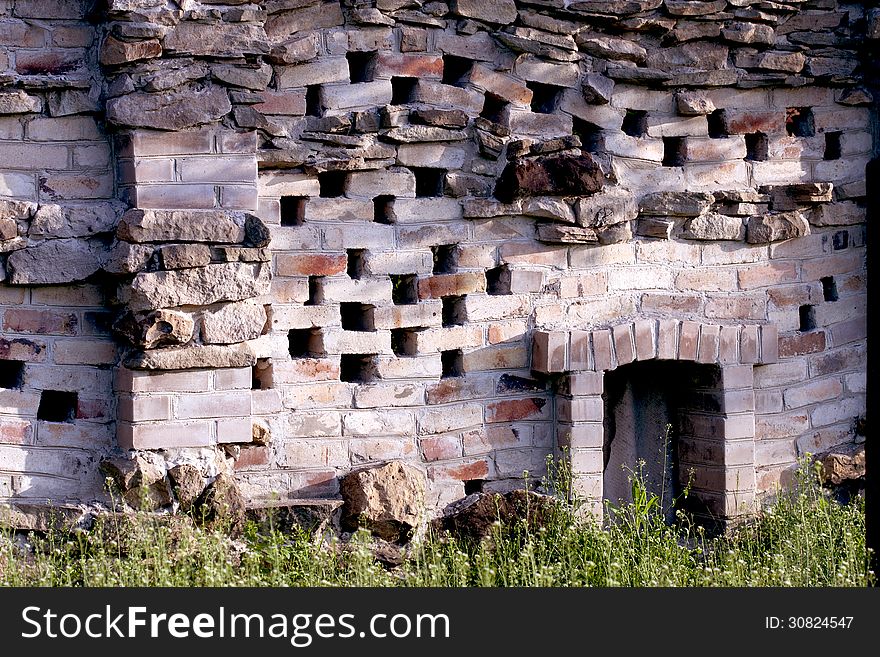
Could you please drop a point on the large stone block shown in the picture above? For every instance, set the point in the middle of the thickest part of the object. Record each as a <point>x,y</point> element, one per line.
<point>171,110</point>
<point>551,175</point>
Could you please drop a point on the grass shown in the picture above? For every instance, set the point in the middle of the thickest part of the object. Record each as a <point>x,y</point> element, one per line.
<point>804,539</point>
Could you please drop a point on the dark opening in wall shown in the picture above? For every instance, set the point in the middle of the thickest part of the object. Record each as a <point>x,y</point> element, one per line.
<point>445,258</point>
<point>808,318</point>
<point>293,210</point>
<point>757,147</point>
<point>57,406</point>
<point>261,375</point>
<point>840,240</point>
<point>716,124</point>
<point>451,363</point>
<point>455,70</point>
<point>355,265</point>
<point>332,183</point>
<point>404,289</point>
<point>429,181</point>
<point>472,486</point>
<point>799,122</point>
<point>316,291</point>
<point>498,280</point>
<point>357,316</point>
<point>829,288</point>
<point>305,343</point>
<point>313,100</point>
<point>361,66</point>
<point>635,123</point>
<point>674,153</point>
<point>383,209</point>
<point>832,145</point>
<point>589,134</point>
<point>493,108</point>
<point>402,89</point>
<point>11,373</point>
<point>357,368</point>
<point>454,311</point>
<point>403,341</point>
<point>545,97</point>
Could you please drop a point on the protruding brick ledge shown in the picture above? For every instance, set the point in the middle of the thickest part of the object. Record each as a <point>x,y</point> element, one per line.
<point>604,349</point>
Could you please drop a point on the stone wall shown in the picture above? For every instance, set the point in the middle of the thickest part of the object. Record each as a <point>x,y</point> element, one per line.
<point>332,230</point>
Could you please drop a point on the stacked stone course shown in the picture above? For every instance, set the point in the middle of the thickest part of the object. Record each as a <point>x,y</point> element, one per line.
<point>292,238</point>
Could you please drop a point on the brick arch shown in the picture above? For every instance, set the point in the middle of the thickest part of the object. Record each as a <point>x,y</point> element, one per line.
<point>721,432</point>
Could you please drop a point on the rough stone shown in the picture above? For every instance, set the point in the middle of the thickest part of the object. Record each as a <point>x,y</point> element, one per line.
<point>613,205</point>
<point>714,226</point>
<point>188,358</point>
<point>766,228</point>
<point>843,464</point>
<point>548,208</point>
<point>184,256</point>
<point>597,88</point>
<point>182,226</point>
<point>234,322</point>
<point>161,328</point>
<point>140,479</point>
<point>557,234</point>
<point>170,110</point>
<point>221,506</point>
<point>693,103</point>
<point>552,175</point>
<point>53,261</point>
<point>188,484</point>
<point>387,500</point>
<point>501,12</point>
<point>115,52</point>
<point>18,102</point>
<point>478,515</point>
<point>55,221</point>
<point>200,286</point>
<point>677,204</point>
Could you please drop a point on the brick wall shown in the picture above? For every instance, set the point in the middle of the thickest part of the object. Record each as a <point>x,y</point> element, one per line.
<point>441,186</point>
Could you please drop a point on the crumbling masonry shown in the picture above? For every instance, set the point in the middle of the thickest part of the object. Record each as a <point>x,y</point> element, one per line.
<point>292,238</point>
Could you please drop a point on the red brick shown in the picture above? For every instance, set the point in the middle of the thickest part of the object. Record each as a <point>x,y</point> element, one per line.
<point>743,122</point>
<point>671,303</point>
<point>579,350</point>
<point>727,344</point>
<point>22,349</point>
<point>409,66</point>
<point>708,350</point>
<point>291,101</point>
<point>49,62</point>
<point>289,264</point>
<point>839,263</point>
<point>515,409</point>
<point>251,457</point>
<point>624,348</point>
<point>445,285</point>
<point>748,345</point>
<point>768,273</point>
<point>602,349</point>
<point>789,296</point>
<point>801,343</point>
<point>769,344</point>
<point>549,351</point>
<point>667,339</point>
<point>740,307</point>
<point>462,471</point>
<point>25,320</point>
<point>645,346</point>
<point>15,432</point>
<point>441,448</point>
<point>688,341</point>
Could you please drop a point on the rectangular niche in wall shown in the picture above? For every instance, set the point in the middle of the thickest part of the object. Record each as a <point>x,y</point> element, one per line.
<point>11,373</point>
<point>57,406</point>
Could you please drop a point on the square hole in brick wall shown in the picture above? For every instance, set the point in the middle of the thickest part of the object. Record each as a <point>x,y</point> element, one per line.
<point>472,486</point>
<point>840,240</point>
<point>674,153</point>
<point>313,100</point>
<point>807,318</point>
<point>355,262</point>
<point>361,66</point>
<point>445,258</point>
<point>832,145</point>
<point>403,341</point>
<point>451,363</point>
<point>493,108</point>
<point>757,147</point>
<point>404,289</point>
<point>589,134</point>
<point>635,123</point>
<point>498,280</point>
<point>358,368</point>
<point>357,316</point>
<point>305,343</point>
<point>716,124</point>
<point>332,183</point>
<point>829,288</point>
<point>799,122</point>
<point>316,291</point>
<point>545,97</point>
<point>293,210</point>
<point>402,89</point>
<point>454,311</point>
<point>11,373</point>
<point>429,181</point>
<point>57,406</point>
<point>456,70</point>
<point>261,375</point>
<point>383,209</point>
